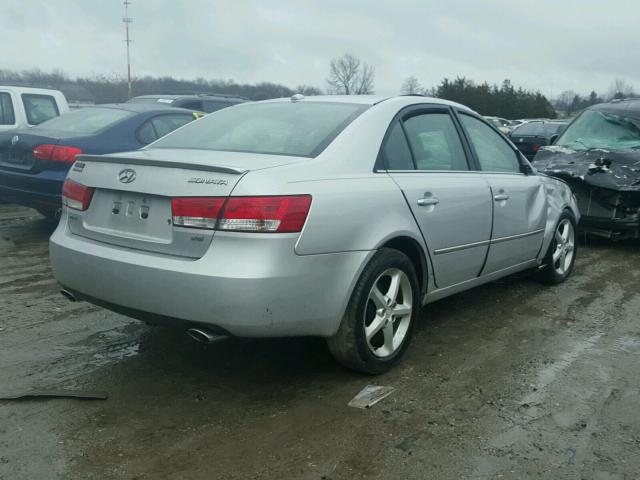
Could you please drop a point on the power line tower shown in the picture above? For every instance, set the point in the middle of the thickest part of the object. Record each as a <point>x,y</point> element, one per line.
<point>127,20</point>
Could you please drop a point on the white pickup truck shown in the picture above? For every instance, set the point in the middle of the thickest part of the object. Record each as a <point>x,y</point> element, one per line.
<point>28,106</point>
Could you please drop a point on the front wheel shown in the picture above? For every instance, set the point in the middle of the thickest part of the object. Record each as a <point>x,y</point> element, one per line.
<point>379,321</point>
<point>561,256</point>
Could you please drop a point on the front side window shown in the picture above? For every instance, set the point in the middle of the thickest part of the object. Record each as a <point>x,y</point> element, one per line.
<point>435,142</point>
<point>279,128</point>
<point>87,120</point>
<point>39,108</point>
<point>7,116</point>
<point>494,153</point>
<point>596,129</point>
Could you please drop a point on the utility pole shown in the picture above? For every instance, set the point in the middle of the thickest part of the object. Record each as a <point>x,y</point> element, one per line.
<point>127,20</point>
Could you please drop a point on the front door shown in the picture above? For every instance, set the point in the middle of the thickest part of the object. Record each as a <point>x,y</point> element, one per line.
<point>519,199</point>
<point>451,204</point>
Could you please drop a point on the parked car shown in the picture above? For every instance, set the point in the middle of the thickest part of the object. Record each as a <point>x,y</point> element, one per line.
<point>330,216</point>
<point>201,102</point>
<point>530,136</point>
<point>22,107</point>
<point>599,156</point>
<point>501,124</point>
<point>34,161</point>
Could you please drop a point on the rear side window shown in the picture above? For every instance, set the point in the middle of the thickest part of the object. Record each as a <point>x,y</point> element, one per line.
<point>161,125</point>
<point>396,150</point>
<point>435,142</point>
<point>7,117</point>
<point>494,153</point>
<point>280,128</point>
<point>39,108</point>
<point>165,124</point>
<point>87,120</point>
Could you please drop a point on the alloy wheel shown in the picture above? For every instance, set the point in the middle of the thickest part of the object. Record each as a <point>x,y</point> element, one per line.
<point>565,246</point>
<point>388,312</point>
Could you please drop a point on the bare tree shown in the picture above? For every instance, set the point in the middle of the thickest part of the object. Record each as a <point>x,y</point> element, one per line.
<point>308,90</point>
<point>621,89</point>
<point>349,76</point>
<point>411,86</point>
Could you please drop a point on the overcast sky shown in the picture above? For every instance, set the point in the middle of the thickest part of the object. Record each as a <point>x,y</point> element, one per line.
<point>548,45</point>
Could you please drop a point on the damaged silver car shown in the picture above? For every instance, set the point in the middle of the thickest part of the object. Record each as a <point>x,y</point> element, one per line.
<point>599,156</point>
<point>337,217</point>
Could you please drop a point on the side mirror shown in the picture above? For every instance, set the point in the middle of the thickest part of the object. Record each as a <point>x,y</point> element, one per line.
<point>553,139</point>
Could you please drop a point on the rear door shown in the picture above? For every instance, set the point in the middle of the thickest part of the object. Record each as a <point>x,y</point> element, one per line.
<point>451,204</point>
<point>519,200</point>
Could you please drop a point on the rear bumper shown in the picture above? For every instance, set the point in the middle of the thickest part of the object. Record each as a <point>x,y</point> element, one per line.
<point>248,285</point>
<point>41,190</point>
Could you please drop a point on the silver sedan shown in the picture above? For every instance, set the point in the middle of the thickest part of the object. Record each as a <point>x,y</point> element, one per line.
<point>337,217</point>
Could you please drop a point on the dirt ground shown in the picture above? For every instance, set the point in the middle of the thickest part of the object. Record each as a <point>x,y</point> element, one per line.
<point>512,380</point>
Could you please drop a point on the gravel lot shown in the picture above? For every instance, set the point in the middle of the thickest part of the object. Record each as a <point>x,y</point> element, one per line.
<point>511,380</point>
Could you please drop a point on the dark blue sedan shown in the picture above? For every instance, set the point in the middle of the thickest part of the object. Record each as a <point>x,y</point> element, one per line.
<point>34,161</point>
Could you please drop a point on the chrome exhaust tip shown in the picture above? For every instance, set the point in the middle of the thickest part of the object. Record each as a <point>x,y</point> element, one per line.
<point>68,295</point>
<point>203,335</point>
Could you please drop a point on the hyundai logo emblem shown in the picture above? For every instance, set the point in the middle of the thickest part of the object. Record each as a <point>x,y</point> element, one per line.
<point>15,139</point>
<point>127,175</point>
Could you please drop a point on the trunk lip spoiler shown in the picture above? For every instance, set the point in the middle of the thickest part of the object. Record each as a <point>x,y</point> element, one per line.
<point>161,163</point>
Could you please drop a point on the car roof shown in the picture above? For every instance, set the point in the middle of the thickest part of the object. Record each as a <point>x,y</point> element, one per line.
<point>620,107</point>
<point>141,107</point>
<point>372,100</point>
<point>29,89</point>
<point>177,96</point>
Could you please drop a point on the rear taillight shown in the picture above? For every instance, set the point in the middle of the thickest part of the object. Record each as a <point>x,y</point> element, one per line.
<point>196,212</point>
<point>281,214</point>
<point>56,153</point>
<point>535,148</point>
<point>265,214</point>
<point>76,196</point>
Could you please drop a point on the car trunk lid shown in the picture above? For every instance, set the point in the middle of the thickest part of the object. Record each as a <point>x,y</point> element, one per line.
<point>131,204</point>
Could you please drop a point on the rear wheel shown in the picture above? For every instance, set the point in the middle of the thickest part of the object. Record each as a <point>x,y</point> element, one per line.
<point>561,256</point>
<point>378,324</point>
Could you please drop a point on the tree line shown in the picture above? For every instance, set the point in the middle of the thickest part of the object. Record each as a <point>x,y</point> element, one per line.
<point>347,75</point>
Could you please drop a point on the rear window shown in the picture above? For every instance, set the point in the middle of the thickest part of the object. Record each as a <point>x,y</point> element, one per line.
<point>39,108</point>
<point>530,128</point>
<point>283,128</point>
<point>87,120</point>
<point>7,117</point>
<point>553,128</point>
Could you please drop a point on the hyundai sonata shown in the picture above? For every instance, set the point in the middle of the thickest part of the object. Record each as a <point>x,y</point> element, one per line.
<point>331,216</point>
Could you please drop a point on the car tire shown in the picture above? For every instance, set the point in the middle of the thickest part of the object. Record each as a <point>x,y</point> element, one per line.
<point>557,267</point>
<point>377,326</point>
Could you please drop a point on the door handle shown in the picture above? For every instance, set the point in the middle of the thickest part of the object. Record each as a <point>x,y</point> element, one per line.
<point>501,197</point>
<point>426,201</point>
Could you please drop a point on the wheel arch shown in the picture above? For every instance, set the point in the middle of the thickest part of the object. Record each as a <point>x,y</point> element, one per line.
<point>412,249</point>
